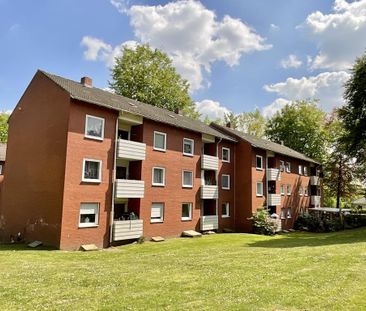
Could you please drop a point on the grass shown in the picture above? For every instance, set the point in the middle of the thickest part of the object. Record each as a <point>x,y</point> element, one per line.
<point>297,271</point>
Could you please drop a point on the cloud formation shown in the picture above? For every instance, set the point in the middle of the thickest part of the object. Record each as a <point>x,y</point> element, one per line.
<point>212,109</point>
<point>340,35</point>
<point>188,32</point>
<point>291,62</point>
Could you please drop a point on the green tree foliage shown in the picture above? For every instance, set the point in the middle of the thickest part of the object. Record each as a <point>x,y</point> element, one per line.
<point>3,127</point>
<point>232,119</point>
<point>147,75</point>
<point>252,123</point>
<point>353,114</point>
<point>301,126</point>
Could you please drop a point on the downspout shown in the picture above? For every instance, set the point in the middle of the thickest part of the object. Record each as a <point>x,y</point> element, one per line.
<point>217,180</point>
<point>267,192</point>
<point>234,207</point>
<point>113,183</point>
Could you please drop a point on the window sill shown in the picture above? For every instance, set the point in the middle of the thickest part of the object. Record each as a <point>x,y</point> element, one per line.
<point>156,221</point>
<point>188,155</point>
<point>160,150</point>
<point>91,181</point>
<point>94,138</point>
<point>88,226</point>
<point>225,216</point>
<point>225,188</point>
<point>259,195</point>
<point>225,161</point>
<point>187,187</point>
<point>259,169</point>
<point>186,219</point>
<point>158,185</point>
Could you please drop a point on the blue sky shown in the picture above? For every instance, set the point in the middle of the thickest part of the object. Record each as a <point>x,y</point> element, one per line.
<point>237,55</point>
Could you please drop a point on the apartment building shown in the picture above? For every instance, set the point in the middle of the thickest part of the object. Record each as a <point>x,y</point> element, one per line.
<point>88,166</point>
<point>2,164</point>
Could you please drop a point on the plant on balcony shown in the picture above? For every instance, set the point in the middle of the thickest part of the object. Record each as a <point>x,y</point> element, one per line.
<point>262,223</point>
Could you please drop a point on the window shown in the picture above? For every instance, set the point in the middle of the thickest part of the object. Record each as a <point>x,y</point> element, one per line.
<point>300,169</point>
<point>306,191</point>
<point>187,179</point>
<point>259,190</point>
<point>159,141</point>
<point>225,181</point>
<point>283,213</point>
<point>225,209</point>
<point>158,178</point>
<point>282,189</point>
<point>187,211</point>
<point>305,171</point>
<point>188,146</point>
<point>289,214</point>
<point>225,154</point>
<point>1,169</point>
<point>282,166</point>
<point>289,189</point>
<point>88,215</point>
<point>288,167</point>
<point>92,170</point>
<point>259,162</point>
<point>94,127</point>
<point>300,190</point>
<point>157,212</point>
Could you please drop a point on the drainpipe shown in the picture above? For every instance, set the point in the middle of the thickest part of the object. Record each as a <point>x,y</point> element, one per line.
<point>234,207</point>
<point>267,193</point>
<point>217,179</point>
<point>113,183</point>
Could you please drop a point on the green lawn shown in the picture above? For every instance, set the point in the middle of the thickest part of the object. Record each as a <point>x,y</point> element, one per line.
<point>297,271</point>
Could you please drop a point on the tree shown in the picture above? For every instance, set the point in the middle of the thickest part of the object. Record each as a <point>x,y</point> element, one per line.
<point>353,113</point>
<point>252,123</point>
<point>232,119</point>
<point>300,126</point>
<point>147,75</point>
<point>3,127</point>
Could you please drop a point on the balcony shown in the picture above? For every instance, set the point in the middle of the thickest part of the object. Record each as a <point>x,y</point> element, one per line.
<point>127,229</point>
<point>126,188</point>
<point>314,180</point>
<point>315,200</point>
<point>209,162</point>
<point>274,199</point>
<point>209,222</point>
<point>131,150</point>
<point>209,192</point>
<point>273,174</point>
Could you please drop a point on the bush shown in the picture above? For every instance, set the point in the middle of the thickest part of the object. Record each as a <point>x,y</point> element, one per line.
<point>262,223</point>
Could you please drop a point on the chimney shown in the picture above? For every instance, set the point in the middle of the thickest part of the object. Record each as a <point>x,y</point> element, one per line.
<point>178,111</point>
<point>86,81</point>
<point>228,125</point>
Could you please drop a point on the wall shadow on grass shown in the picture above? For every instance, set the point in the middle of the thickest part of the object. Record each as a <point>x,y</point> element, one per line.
<point>302,239</point>
<point>23,247</point>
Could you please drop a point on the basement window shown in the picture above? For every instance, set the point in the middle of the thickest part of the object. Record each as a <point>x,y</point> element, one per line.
<point>89,214</point>
<point>94,127</point>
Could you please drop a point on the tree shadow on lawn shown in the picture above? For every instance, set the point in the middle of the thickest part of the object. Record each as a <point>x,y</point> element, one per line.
<point>301,239</point>
<point>23,247</point>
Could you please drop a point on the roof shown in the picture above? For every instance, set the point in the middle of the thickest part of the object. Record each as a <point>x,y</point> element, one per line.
<point>361,201</point>
<point>2,152</point>
<point>110,100</point>
<point>265,144</point>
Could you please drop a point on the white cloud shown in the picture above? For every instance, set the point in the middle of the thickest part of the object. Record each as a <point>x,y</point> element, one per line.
<point>274,27</point>
<point>189,33</point>
<point>340,35</point>
<point>270,110</point>
<point>291,62</point>
<point>327,87</point>
<point>212,109</point>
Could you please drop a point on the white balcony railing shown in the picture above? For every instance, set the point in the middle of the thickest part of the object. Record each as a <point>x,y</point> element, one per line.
<point>209,192</point>
<point>273,174</point>
<point>131,150</point>
<point>315,200</point>
<point>209,162</point>
<point>274,199</point>
<point>314,180</point>
<point>126,188</point>
<point>209,222</point>
<point>127,229</point>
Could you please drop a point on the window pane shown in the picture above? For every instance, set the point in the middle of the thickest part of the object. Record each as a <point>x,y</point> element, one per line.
<point>187,178</point>
<point>88,214</point>
<point>158,176</point>
<point>225,154</point>
<point>157,212</point>
<point>259,162</point>
<point>186,210</point>
<point>188,146</point>
<point>91,170</point>
<point>225,181</point>
<point>159,141</point>
<point>94,127</point>
<point>259,188</point>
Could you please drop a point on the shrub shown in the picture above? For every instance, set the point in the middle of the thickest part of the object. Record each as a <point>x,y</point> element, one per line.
<point>262,223</point>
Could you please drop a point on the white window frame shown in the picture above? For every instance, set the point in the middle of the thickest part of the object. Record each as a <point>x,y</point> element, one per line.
<point>283,213</point>
<point>165,136</point>
<point>228,153</point>
<point>187,186</point>
<point>305,170</point>
<point>306,191</point>
<point>89,224</point>
<point>289,213</point>
<point>228,182</point>
<point>192,142</point>
<point>162,207</point>
<point>1,169</point>
<point>152,177</point>
<point>300,191</point>
<point>288,167</point>
<point>282,166</point>
<point>300,169</point>
<point>99,180</point>
<point>86,127</point>
<point>287,189</point>
<point>282,189</point>
<point>257,167</point>
<point>258,194</point>
<point>190,211</point>
<point>227,207</point>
